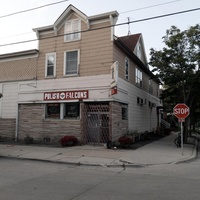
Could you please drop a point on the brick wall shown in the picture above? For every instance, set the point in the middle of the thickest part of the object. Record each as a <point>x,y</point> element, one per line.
<point>7,129</point>
<point>119,126</point>
<point>32,122</point>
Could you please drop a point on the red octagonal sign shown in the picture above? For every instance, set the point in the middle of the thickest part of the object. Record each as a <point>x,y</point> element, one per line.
<point>181,111</point>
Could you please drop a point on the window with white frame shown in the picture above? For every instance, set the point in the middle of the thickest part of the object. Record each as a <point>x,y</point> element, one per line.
<point>72,30</point>
<point>138,77</point>
<point>71,62</point>
<point>69,110</point>
<point>126,68</point>
<point>50,67</point>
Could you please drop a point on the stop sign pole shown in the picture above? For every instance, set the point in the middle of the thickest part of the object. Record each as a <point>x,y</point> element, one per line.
<point>181,111</point>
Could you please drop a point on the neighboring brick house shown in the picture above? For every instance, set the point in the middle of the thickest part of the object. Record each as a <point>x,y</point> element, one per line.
<point>82,81</point>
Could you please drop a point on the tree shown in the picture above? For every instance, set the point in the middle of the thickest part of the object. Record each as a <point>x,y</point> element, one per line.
<point>177,66</point>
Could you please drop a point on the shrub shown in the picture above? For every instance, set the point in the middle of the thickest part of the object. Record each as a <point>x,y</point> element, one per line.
<point>125,140</point>
<point>68,140</point>
<point>167,131</point>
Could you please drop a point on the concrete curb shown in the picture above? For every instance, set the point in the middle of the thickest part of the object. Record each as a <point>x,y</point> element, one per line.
<point>114,162</point>
<point>194,154</point>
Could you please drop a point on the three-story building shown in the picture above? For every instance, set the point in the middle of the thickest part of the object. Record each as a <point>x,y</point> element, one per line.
<point>82,81</point>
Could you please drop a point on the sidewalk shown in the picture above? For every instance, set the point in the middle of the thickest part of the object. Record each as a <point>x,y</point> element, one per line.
<point>158,152</point>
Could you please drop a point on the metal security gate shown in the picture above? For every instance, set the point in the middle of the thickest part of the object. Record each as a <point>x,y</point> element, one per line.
<point>96,123</point>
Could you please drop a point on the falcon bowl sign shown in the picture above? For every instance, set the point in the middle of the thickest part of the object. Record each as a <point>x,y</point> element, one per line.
<point>181,111</point>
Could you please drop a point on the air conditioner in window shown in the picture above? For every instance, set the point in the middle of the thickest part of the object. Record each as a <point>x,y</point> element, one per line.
<point>151,105</point>
<point>141,102</point>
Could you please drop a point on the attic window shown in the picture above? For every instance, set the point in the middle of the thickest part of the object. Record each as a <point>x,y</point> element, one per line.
<point>139,51</point>
<point>72,30</point>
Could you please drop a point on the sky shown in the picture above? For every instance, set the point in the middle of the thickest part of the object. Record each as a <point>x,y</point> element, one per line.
<point>18,27</point>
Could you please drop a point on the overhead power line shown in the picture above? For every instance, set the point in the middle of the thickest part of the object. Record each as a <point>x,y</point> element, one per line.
<point>19,12</point>
<point>152,6</point>
<point>130,22</point>
<point>31,9</point>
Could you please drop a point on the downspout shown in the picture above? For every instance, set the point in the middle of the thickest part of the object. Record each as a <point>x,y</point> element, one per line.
<point>112,27</point>
<point>17,124</point>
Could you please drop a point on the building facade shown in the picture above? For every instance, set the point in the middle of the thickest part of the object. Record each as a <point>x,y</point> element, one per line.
<point>82,81</point>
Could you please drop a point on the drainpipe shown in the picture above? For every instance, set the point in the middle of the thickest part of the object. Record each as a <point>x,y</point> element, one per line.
<point>112,28</point>
<point>17,124</point>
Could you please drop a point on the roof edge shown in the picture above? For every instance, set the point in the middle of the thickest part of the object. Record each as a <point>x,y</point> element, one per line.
<point>125,49</point>
<point>19,54</point>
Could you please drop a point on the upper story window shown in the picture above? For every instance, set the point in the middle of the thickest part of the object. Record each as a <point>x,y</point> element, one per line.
<point>50,67</point>
<point>150,86</point>
<point>126,68</point>
<point>71,62</point>
<point>138,77</point>
<point>72,30</point>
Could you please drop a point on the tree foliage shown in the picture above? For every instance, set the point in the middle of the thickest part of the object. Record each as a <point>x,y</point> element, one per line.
<point>177,66</point>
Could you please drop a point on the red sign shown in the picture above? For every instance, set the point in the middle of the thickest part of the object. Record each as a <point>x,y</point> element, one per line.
<point>66,95</point>
<point>114,90</point>
<point>181,111</point>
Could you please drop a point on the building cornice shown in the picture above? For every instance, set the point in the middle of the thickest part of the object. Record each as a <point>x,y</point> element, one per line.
<point>18,55</point>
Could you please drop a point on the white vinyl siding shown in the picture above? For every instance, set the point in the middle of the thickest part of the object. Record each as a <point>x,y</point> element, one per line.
<point>9,100</point>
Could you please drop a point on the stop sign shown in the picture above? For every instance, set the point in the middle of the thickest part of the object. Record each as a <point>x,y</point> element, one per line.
<point>181,111</point>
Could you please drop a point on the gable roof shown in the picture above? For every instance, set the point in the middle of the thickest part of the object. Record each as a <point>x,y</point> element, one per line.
<point>72,9</point>
<point>123,44</point>
<point>131,40</point>
<point>68,11</point>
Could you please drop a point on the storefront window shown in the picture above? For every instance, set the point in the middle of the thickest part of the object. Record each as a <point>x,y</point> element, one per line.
<point>63,110</point>
<point>72,111</point>
<point>53,110</point>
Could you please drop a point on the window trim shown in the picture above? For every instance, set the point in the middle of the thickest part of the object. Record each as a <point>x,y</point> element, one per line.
<point>78,62</point>
<point>62,111</point>
<point>46,65</point>
<point>71,32</point>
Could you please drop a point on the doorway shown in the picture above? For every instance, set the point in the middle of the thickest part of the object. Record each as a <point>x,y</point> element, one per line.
<point>97,125</point>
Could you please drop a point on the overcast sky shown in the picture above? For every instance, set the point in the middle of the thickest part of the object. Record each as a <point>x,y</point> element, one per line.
<point>17,28</point>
